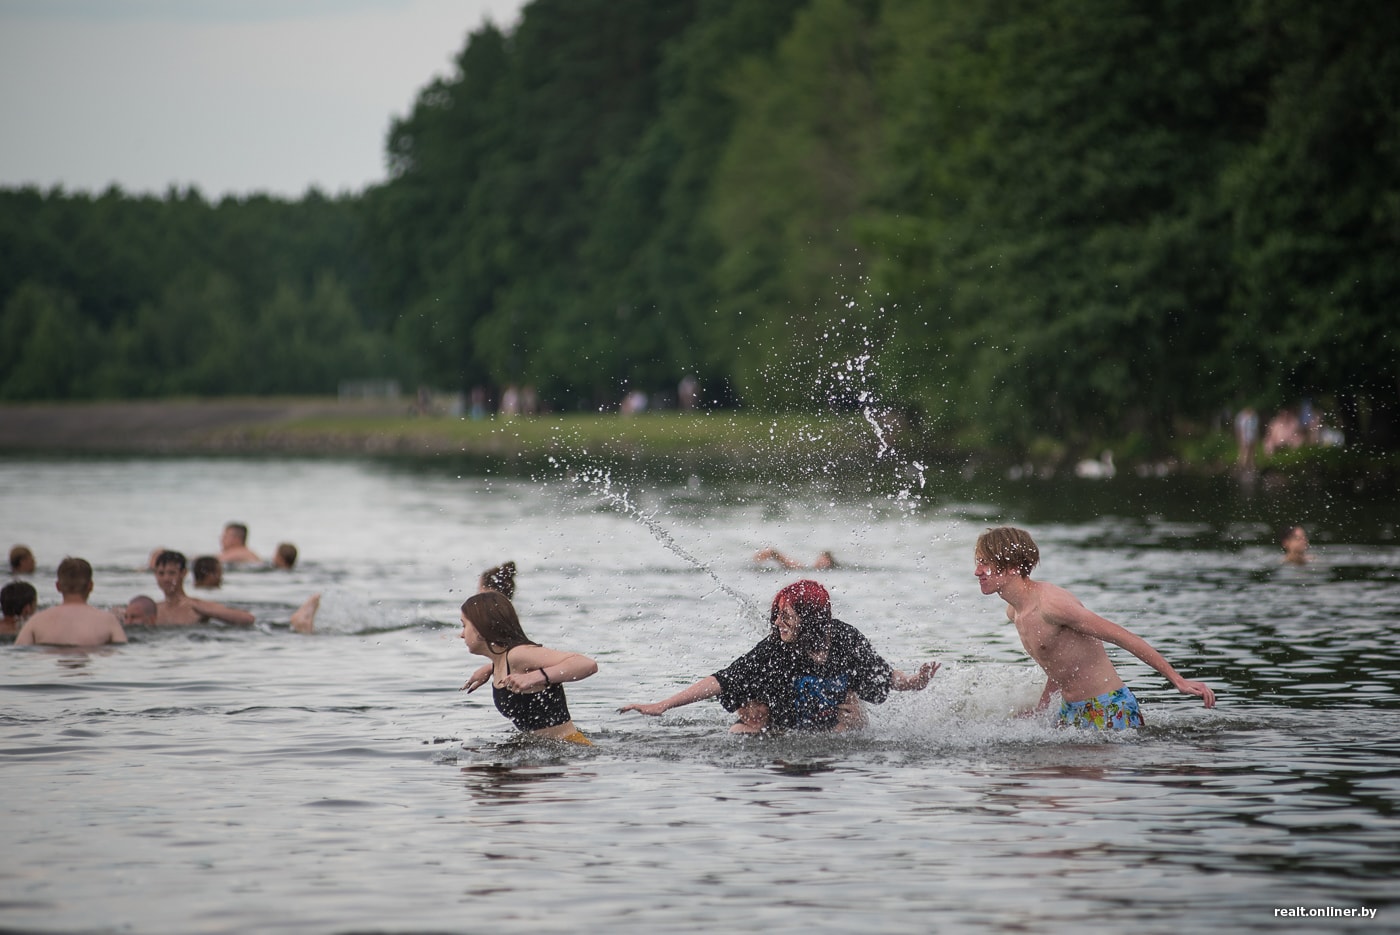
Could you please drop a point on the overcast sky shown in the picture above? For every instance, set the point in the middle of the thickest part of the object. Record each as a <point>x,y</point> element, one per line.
<point>231,96</point>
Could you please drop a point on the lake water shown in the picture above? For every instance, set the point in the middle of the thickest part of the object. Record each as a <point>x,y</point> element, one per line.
<point>218,779</point>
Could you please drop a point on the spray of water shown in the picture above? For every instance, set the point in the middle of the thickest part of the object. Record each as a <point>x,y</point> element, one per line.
<point>598,482</point>
<point>853,380</point>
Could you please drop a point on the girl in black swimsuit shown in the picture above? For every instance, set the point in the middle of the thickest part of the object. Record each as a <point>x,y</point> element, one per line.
<point>526,678</point>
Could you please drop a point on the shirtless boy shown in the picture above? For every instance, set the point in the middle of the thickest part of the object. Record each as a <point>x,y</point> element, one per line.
<point>178,608</point>
<point>1066,638</point>
<point>233,546</point>
<point>73,622</point>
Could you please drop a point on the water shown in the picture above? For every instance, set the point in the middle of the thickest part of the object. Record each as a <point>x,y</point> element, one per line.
<point>218,779</point>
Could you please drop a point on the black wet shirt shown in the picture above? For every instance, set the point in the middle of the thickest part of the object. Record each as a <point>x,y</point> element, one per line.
<point>799,691</point>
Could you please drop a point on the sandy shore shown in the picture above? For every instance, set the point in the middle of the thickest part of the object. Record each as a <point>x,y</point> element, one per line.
<point>173,426</point>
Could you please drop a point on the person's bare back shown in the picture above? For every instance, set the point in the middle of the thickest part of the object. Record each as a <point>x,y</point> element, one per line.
<point>71,624</point>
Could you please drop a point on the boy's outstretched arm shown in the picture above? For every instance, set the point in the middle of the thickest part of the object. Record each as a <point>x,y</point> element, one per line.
<point>1078,617</point>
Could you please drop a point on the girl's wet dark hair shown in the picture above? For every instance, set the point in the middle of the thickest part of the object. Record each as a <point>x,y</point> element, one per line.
<point>501,578</point>
<point>493,616</point>
<point>812,604</point>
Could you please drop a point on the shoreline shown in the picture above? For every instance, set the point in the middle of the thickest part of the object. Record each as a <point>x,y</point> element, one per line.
<point>310,426</point>
<point>331,427</point>
<point>192,426</point>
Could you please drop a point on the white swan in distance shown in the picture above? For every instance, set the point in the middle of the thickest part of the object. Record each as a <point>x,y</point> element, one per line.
<point>1096,468</point>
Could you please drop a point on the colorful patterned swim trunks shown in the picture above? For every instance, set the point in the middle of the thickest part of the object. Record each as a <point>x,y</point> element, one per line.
<point>1115,710</point>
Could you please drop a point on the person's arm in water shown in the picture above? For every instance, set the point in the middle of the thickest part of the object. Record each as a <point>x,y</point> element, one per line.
<point>478,678</point>
<point>1046,693</point>
<point>538,667</point>
<point>763,555</point>
<point>913,683</point>
<point>215,611</point>
<point>1064,610</point>
<point>707,687</point>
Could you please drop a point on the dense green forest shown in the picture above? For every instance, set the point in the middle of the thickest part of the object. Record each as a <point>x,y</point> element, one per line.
<point>1011,220</point>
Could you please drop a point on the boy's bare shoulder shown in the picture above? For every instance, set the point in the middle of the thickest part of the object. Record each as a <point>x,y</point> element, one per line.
<point>1057,605</point>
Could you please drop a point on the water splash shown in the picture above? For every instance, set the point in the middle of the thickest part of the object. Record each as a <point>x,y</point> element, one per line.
<point>598,482</point>
<point>852,382</point>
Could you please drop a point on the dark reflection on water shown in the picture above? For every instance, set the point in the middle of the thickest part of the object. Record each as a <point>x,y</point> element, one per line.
<point>498,783</point>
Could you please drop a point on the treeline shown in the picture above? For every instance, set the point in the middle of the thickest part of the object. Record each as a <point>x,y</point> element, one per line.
<point>1016,221</point>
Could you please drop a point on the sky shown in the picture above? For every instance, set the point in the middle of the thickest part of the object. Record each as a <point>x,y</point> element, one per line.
<point>232,97</point>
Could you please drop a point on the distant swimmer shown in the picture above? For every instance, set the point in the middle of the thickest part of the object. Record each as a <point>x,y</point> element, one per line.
<point>233,546</point>
<point>810,673</point>
<point>73,622</point>
<point>285,557</point>
<point>1295,546</point>
<point>824,560</point>
<point>140,611</point>
<point>1066,639</point>
<point>178,608</point>
<point>21,560</point>
<point>527,679</point>
<point>18,601</point>
<point>208,572</point>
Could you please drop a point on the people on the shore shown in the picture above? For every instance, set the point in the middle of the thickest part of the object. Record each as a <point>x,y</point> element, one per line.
<point>178,608</point>
<point>1246,437</point>
<point>21,560</point>
<point>208,572</point>
<point>811,672</point>
<point>1295,546</point>
<point>526,678</point>
<point>73,622</point>
<point>1066,639</point>
<point>233,546</point>
<point>285,557</point>
<point>18,601</point>
<point>824,560</point>
<point>1284,431</point>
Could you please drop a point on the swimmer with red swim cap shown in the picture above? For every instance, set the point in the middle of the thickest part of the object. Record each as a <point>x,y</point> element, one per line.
<point>811,672</point>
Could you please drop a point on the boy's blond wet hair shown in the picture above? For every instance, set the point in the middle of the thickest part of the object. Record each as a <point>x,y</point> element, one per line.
<point>1007,547</point>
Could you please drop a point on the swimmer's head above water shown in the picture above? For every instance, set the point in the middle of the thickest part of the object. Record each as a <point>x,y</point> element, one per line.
<point>801,615</point>
<point>1007,548</point>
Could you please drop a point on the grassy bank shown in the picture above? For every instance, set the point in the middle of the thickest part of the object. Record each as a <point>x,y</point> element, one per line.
<point>327,427</point>
<point>664,435</point>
